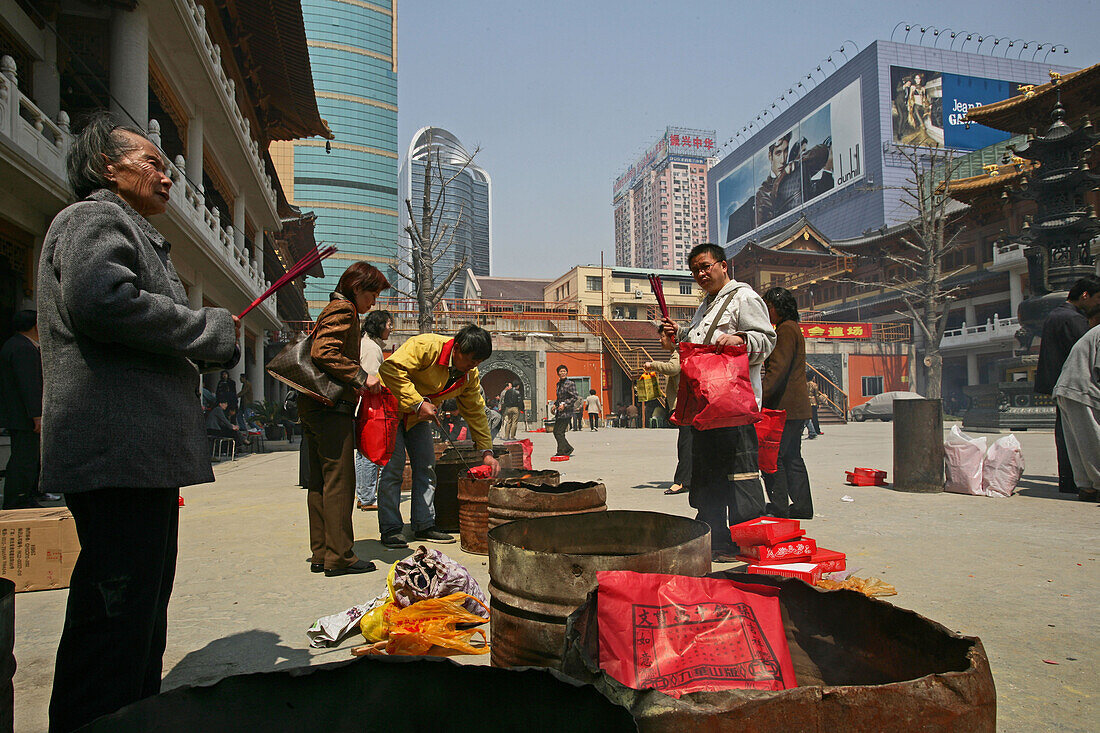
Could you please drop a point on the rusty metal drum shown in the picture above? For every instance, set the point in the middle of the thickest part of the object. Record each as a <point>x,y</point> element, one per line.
<point>542,569</point>
<point>510,501</point>
<point>473,504</point>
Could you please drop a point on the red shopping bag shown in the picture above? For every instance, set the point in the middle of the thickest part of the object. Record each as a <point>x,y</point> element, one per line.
<point>376,425</point>
<point>715,389</point>
<point>691,634</point>
<point>769,431</point>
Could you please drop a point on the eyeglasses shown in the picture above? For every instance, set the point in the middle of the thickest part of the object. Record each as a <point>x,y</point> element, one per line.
<point>702,268</point>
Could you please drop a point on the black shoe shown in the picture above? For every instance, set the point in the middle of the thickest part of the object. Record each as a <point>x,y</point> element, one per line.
<point>395,541</point>
<point>431,534</point>
<point>359,566</point>
<point>316,567</point>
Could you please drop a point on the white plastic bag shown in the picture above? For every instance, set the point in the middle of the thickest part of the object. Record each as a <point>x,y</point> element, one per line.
<point>964,462</point>
<point>1003,467</point>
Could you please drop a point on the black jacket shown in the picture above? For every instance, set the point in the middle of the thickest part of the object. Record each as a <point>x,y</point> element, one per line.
<point>20,383</point>
<point>1061,330</point>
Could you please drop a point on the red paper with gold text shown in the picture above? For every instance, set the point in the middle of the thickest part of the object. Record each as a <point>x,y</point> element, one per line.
<point>678,634</point>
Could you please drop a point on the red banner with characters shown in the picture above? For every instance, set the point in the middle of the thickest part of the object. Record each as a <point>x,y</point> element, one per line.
<point>836,330</point>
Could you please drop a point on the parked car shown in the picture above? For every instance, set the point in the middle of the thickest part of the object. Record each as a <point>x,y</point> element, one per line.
<point>880,407</point>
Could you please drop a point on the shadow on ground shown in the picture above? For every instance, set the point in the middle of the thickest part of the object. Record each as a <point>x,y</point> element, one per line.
<point>662,485</point>
<point>1042,487</point>
<point>248,651</point>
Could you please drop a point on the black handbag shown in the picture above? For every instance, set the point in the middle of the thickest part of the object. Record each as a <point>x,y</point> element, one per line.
<point>294,367</point>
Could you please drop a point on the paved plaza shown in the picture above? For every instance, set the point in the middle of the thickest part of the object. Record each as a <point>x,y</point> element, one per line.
<point>1019,573</point>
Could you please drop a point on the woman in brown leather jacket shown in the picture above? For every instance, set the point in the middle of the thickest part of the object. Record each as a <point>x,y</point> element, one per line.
<point>784,388</point>
<point>330,430</point>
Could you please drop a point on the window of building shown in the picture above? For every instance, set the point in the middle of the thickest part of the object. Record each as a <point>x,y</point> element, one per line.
<point>685,288</point>
<point>594,310</point>
<point>626,284</point>
<point>593,283</point>
<point>871,386</point>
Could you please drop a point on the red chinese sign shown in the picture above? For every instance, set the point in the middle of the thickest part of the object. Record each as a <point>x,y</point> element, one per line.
<point>836,330</point>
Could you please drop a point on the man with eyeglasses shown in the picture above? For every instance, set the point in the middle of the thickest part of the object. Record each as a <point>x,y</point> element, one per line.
<point>725,477</point>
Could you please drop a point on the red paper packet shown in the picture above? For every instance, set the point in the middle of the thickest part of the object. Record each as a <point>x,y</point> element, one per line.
<point>800,549</point>
<point>765,531</point>
<point>686,634</point>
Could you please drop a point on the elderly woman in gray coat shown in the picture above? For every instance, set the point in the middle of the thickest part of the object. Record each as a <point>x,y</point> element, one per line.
<point>122,425</point>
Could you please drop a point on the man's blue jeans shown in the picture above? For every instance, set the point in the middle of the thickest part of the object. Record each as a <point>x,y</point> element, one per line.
<point>417,442</point>
<point>366,479</point>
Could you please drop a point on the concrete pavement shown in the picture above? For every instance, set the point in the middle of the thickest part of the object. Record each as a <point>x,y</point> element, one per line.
<point>1020,573</point>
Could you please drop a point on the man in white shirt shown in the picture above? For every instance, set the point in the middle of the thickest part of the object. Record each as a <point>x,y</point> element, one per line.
<point>725,481</point>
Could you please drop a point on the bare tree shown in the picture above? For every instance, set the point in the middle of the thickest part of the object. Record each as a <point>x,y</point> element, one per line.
<point>430,238</point>
<point>929,237</point>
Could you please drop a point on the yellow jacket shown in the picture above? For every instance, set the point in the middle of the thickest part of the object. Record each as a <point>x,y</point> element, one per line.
<point>419,371</point>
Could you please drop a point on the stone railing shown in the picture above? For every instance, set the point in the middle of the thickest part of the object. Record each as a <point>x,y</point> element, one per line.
<point>43,139</point>
<point>228,89</point>
<point>1006,255</point>
<point>188,202</point>
<point>994,329</point>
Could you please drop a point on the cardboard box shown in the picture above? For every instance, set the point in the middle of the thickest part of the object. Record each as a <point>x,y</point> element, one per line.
<point>38,547</point>
<point>830,561</point>
<point>806,571</point>
<point>793,551</point>
<point>765,531</point>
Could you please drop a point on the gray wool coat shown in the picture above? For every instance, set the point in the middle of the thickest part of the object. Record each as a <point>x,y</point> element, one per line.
<point>121,352</point>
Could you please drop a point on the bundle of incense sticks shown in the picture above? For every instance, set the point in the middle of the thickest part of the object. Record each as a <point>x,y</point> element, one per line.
<point>300,266</point>
<point>659,291</point>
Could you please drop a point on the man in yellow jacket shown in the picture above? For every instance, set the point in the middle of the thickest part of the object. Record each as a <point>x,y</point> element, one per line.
<point>423,372</point>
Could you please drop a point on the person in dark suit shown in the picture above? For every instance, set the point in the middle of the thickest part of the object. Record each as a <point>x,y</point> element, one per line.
<point>21,409</point>
<point>1061,330</point>
<point>122,423</point>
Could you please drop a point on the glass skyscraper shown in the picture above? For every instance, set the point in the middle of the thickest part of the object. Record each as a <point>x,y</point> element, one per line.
<point>352,183</point>
<point>467,206</point>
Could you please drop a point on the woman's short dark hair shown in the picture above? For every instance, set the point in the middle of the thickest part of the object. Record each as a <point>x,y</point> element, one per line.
<point>374,323</point>
<point>360,277</point>
<point>100,142</point>
<point>591,391</point>
<point>475,342</point>
<point>786,307</point>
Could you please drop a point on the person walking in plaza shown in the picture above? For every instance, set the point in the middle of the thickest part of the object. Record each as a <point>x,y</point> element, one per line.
<point>21,409</point>
<point>681,479</point>
<point>376,328</point>
<point>1077,392</point>
<point>331,430</point>
<point>426,370</point>
<point>594,408</point>
<point>578,413</point>
<point>122,423</point>
<point>1062,328</point>
<point>512,403</point>
<point>565,398</point>
<point>725,475</point>
<point>813,427</point>
<point>784,388</point>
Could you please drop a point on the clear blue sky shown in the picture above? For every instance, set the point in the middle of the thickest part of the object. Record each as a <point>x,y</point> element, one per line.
<point>562,96</point>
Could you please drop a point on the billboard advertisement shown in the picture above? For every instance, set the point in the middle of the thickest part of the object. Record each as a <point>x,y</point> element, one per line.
<point>821,153</point>
<point>929,107</point>
<point>681,141</point>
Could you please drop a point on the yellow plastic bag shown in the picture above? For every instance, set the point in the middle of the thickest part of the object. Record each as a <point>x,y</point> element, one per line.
<point>373,622</point>
<point>429,627</point>
<point>647,387</point>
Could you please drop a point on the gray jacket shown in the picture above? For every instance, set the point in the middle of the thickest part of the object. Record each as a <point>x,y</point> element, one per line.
<point>119,345</point>
<point>1080,378</point>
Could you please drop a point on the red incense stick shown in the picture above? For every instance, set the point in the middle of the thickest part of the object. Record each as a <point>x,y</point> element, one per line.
<point>299,267</point>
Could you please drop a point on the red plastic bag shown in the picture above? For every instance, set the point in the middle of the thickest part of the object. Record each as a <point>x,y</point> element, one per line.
<point>376,425</point>
<point>691,634</point>
<point>769,431</point>
<point>715,389</point>
<point>528,450</point>
<point>480,472</point>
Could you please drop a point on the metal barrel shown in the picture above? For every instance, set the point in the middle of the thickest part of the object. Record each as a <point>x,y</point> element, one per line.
<point>522,500</point>
<point>450,467</point>
<point>542,569</point>
<point>918,446</point>
<point>473,503</point>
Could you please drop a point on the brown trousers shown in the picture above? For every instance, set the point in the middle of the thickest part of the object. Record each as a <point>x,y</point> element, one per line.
<point>331,487</point>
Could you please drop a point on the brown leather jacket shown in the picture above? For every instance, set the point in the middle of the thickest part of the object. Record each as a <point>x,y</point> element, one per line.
<point>787,362</point>
<point>336,345</point>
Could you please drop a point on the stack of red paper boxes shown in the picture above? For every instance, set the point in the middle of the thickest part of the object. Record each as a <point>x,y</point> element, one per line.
<point>773,546</point>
